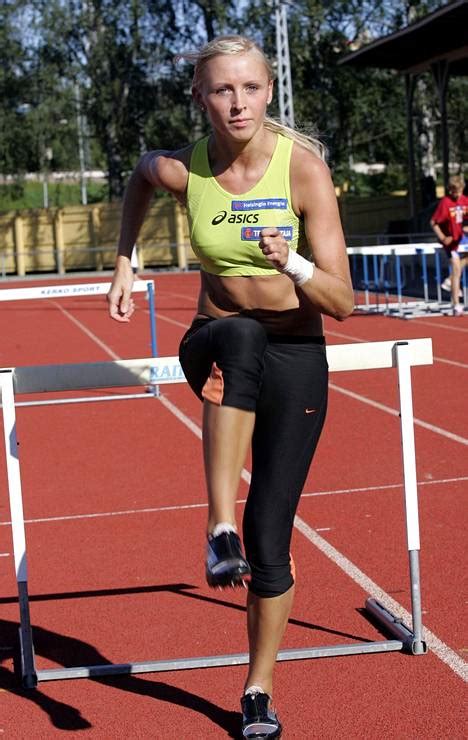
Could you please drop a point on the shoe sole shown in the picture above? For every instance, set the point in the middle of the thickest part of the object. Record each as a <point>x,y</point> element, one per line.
<point>237,576</point>
<point>260,735</point>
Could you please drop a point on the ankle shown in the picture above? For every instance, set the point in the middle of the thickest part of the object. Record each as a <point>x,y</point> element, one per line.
<point>254,689</point>
<point>220,528</point>
<point>258,687</point>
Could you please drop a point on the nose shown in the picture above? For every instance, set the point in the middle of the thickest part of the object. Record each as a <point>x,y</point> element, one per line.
<point>238,100</point>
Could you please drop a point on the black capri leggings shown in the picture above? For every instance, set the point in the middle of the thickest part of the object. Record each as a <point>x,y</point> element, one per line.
<point>284,380</point>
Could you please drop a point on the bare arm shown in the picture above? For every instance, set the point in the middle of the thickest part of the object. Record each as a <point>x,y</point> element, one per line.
<point>330,288</point>
<point>155,170</point>
<point>443,238</point>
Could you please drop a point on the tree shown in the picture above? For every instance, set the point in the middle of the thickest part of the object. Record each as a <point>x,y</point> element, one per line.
<point>120,54</point>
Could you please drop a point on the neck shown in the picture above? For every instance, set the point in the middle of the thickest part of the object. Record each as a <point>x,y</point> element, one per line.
<point>226,153</point>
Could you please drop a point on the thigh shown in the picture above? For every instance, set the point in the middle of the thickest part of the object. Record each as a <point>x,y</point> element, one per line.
<point>195,354</point>
<point>223,360</point>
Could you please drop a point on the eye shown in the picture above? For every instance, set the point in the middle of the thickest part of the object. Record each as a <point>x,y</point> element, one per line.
<point>252,88</point>
<point>222,90</point>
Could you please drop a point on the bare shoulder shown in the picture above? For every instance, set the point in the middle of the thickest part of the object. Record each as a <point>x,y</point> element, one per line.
<point>167,170</point>
<point>310,176</point>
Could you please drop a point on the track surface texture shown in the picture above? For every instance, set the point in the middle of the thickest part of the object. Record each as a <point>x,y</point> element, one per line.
<point>115,505</point>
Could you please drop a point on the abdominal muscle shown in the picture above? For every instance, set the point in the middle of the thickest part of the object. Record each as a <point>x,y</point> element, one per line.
<point>272,300</point>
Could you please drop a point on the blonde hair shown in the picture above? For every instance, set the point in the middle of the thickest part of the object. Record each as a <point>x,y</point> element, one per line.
<point>231,45</point>
<point>456,181</point>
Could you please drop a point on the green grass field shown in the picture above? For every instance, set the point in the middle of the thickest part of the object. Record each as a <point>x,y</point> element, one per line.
<point>31,195</point>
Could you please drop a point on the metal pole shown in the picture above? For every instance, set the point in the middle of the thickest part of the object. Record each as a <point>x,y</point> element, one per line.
<point>411,490</point>
<point>17,525</point>
<point>81,149</point>
<point>285,95</point>
<point>154,349</point>
<point>409,89</point>
<point>440,71</point>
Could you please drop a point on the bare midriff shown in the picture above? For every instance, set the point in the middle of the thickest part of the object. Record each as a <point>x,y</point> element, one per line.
<point>270,299</point>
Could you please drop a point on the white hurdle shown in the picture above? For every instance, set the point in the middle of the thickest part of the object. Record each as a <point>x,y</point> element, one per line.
<point>65,291</point>
<point>81,290</point>
<point>401,355</point>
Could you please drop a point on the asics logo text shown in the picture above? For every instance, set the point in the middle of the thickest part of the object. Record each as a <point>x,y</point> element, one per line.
<point>235,218</point>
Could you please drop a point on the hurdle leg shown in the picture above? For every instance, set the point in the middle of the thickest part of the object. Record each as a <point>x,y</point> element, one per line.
<point>425,278</point>
<point>28,669</point>
<point>399,283</point>
<point>438,273</point>
<point>366,280</point>
<point>154,388</point>
<point>412,639</point>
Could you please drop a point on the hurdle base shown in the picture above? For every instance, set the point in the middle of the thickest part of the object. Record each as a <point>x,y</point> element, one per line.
<point>214,661</point>
<point>29,674</point>
<point>405,642</point>
<point>25,636</point>
<point>395,627</point>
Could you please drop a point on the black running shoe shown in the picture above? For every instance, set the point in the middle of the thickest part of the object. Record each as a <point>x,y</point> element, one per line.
<point>225,563</point>
<point>258,718</point>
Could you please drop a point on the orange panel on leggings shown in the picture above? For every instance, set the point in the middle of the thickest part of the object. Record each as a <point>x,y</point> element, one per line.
<point>213,390</point>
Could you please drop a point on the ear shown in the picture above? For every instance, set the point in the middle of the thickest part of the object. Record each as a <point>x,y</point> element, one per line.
<point>270,92</point>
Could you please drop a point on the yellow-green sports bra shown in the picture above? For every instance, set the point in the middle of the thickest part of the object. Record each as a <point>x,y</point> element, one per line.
<point>225,228</point>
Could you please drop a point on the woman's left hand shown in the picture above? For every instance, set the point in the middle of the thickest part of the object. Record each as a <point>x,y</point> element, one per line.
<point>275,247</point>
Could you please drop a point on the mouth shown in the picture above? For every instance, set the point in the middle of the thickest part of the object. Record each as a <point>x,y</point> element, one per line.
<point>240,122</point>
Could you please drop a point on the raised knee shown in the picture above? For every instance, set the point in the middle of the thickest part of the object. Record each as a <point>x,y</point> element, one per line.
<point>268,582</point>
<point>236,375</point>
<point>242,336</point>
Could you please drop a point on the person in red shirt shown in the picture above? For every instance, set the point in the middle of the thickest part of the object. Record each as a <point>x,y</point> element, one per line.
<point>447,223</point>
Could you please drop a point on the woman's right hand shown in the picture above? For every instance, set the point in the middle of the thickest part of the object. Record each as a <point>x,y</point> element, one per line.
<point>119,297</point>
<point>447,240</point>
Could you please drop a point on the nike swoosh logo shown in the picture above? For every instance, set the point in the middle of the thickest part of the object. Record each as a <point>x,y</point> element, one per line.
<point>310,411</point>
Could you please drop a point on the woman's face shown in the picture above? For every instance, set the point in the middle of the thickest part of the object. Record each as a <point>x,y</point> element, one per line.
<point>235,91</point>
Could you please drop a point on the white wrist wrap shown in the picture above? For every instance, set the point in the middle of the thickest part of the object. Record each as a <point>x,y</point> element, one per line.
<point>298,269</point>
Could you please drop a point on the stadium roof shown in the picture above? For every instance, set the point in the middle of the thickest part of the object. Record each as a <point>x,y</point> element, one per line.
<point>438,42</point>
<point>439,36</point>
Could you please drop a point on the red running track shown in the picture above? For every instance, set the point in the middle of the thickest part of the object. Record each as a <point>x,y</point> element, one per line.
<point>115,502</point>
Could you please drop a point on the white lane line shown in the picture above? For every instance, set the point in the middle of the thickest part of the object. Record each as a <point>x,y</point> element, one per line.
<point>449,325</point>
<point>181,416</point>
<point>104,514</point>
<point>246,476</point>
<point>394,412</point>
<point>359,339</point>
<point>169,320</point>
<point>443,652</point>
<point>184,296</point>
<point>349,337</point>
<point>87,331</point>
<point>450,362</point>
<point>368,489</point>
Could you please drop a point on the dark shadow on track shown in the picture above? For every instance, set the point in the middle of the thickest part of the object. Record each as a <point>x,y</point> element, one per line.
<point>170,587</point>
<point>292,620</point>
<point>379,626</point>
<point>228,721</point>
<point>182,589</point>
<point>63,716</point>
<point>68,650</point>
